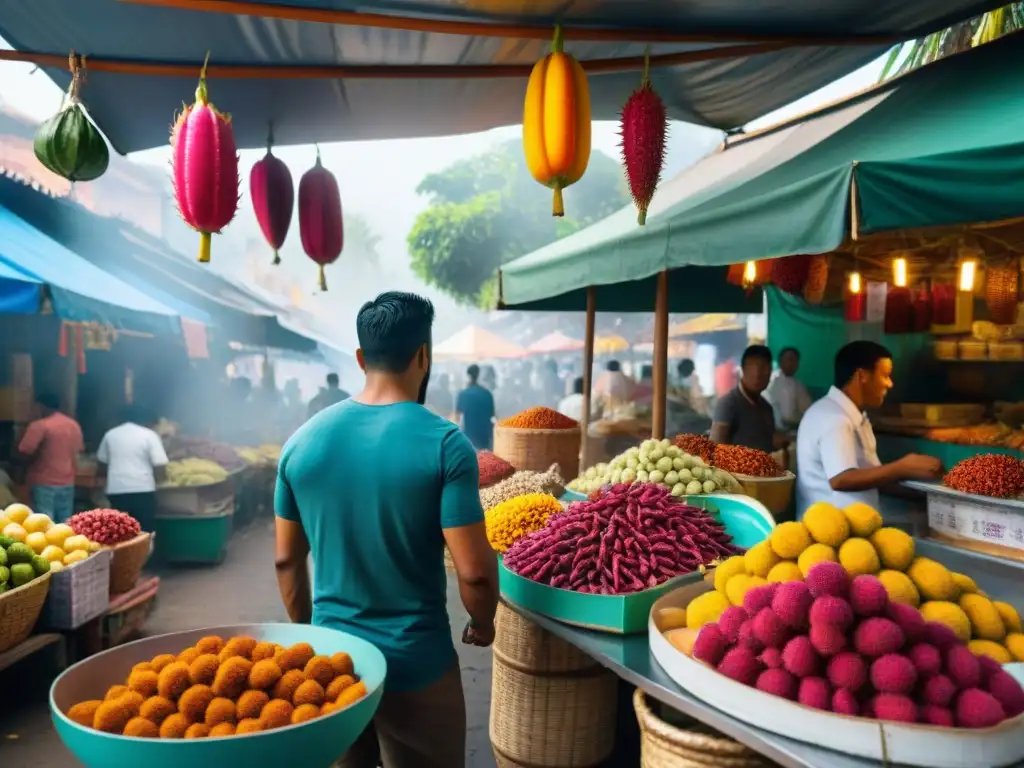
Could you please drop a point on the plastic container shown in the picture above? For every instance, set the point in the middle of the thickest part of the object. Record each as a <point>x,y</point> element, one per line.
<point>971,349</point>
<point>946,349</point>
<point>316,744</point>
<point>192,539</point>
<point>1006,351</point>
<point>79,593</point>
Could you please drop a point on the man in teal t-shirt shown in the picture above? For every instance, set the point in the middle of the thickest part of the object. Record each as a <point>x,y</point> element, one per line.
<point>374,487</point>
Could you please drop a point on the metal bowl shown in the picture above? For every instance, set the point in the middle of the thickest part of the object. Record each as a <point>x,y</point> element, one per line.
<point>319,742</point>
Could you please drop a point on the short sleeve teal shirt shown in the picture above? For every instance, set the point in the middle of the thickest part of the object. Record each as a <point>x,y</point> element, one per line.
<point>373,486</point>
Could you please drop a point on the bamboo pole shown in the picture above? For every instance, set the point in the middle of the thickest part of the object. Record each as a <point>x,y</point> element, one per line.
<point>496,29</point>
<point>156,68</point>
<point>588,375</point>
<point>660,401</point>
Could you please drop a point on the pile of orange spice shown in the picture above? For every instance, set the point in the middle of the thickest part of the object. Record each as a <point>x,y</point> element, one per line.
<point>539,418</point>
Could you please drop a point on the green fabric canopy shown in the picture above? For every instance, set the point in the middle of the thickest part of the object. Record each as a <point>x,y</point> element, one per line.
<point>943,145</point>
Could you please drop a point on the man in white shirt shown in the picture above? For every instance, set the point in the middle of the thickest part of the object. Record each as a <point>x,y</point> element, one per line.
<point>787,394</point>
<point>837,457</point>
<point>133,459</point>
<point>572,405</point>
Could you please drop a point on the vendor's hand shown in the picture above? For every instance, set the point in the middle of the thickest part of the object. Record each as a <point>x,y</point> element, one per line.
<point>482,637</point>
<point>914,466</point>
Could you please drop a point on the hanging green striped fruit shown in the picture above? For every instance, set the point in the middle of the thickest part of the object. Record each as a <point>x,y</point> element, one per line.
<point>69,143</point>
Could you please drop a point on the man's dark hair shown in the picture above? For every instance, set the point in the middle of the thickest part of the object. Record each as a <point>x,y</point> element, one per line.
<point>473,373</point>
<point>857,356</point>
<point>49,400</point>
<point>391,328</point>
<point>613,366</point>
<point>756,352</point>
<point>577,385</point>
<point>137,414</point>
<point>332,379</point>
<point>686,367</point>
<point>789,350</point>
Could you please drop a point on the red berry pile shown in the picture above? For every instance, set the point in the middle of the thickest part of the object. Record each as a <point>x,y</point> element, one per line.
<point>842,646</point>
<point>105,526</point>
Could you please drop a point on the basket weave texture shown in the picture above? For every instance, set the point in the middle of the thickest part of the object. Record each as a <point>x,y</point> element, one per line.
<point>20,609</point>
<point>551,706</point>
<point>126,567</point>
<point>666,746</point>
<point>538,449</point>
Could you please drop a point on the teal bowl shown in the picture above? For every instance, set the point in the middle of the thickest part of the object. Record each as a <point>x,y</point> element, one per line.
<point>747,520</point>
<point>316,744</point>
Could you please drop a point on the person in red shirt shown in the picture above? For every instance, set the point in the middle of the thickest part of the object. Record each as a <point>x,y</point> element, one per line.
<point>51,445</point>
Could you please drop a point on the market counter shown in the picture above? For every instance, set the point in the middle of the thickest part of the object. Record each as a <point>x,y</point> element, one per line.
<point>629,657</point>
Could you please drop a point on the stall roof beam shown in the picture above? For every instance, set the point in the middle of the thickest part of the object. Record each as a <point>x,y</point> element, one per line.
<point>339,103</point>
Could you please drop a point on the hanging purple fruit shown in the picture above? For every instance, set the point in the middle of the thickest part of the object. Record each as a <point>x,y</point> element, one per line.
<point>644,126</point>
<point>273,197</point>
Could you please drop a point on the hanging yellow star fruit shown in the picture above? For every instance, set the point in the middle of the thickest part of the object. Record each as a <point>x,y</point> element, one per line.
<point>556,122</point>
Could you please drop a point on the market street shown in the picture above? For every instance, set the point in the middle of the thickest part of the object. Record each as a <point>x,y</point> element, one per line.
<point>242,589</point>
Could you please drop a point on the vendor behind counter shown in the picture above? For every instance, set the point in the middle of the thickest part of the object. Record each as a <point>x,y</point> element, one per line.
<point>743,416</point>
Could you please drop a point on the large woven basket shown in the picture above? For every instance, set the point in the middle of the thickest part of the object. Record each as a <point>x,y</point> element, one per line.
<point>663,745</point>
<point>551,706</point>
<point>20,609</point>
<point>538,449</point>
<point>126,567</point>
<point>775,493</point>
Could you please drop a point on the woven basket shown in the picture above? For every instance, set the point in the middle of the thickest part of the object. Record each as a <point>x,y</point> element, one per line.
<point>775,493</point>
<point>19,611</point>
<point>126,567</point>
<point>79,593</point>
<point>666,746</point>
<point>551,706</point>
<point>538,449</point>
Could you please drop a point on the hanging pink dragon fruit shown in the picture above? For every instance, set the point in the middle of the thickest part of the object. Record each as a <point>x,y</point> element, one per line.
<point>204,164</point>
<point>273,198</point>
<point>320,222</point>
<point>643,127</point>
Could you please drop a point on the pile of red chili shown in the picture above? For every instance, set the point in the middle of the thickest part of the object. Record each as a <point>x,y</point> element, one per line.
<point>991,474</point>
<point>539,418</point>
<point>493,469</point>
<point>697,445</point>
<point>739,460</point>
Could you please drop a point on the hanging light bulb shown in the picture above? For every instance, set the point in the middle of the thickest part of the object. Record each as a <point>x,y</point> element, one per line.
<point>968,274</point>
<point>855,283</point>
<point>899,272</point>
<point>749,274</point>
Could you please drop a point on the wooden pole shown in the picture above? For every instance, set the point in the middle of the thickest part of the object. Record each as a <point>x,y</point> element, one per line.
<point>660,357</point>
<point>588,374</point>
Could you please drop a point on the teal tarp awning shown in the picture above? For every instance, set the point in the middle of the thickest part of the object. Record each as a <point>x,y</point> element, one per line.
<point>81,291</point>
<point>941,146</point>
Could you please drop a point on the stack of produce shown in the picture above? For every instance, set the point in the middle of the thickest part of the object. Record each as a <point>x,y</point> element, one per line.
<point>855,539</point>
<point>523,482</point>
<point>992,474</point>
<point>191,472</point>
<point>219,688</point>
<point>511,520</point>
<point>222,454</point>
<point>739,460</point>
<point>981,434</point>
<point>539,418</point>
<point>20,564</point>
<point>632,538</point>
<point>697,445</point>
<point>661,463</point>
<point>493,469</point>
<point>841,645</point>
<point>105,526</point>
<point>58,544</point>
<point>268,453</point>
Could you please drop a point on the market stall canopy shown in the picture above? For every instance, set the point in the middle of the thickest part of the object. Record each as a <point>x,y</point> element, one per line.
<point>81,292</point>
<point>20,292</point>
<point>474,344</point>
<point>323,70</point>
<point>940,146</point>
<point>712,322</point>
<point>608,345</point>
<point>554,342</point>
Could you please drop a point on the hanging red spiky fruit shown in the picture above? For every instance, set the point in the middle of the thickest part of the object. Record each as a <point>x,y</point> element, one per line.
<point>273,198</point>
<point>790,273</point>
<point>321,226</point>
<point>644,126</point>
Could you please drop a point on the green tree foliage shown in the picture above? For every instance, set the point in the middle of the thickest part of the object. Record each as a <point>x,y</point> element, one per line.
<point>487,210</point>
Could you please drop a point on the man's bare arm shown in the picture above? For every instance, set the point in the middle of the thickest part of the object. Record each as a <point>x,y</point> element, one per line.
<point>477,570</point>
<point>291,552</point>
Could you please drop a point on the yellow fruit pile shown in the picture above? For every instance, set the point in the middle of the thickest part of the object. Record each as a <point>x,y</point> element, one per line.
<point>855,538</point>
<point>219,688</point>
<point>55,542</point>
<point>510,520</point>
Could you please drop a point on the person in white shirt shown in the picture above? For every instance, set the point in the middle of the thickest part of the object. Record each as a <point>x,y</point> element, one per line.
<point>133,459</point>
<point>787,394</point>
<point>613,385</point>
<point>837,458</point>
<point>572,405</point>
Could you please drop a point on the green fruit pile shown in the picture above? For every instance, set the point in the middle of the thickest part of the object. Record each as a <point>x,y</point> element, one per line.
<point>19,564</point>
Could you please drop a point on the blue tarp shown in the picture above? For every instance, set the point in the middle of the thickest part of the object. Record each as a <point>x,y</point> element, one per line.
<point>20,293</point>
<point>81,292</point>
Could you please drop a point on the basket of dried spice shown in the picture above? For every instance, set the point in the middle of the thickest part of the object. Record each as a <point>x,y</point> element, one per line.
<point>537,438</point>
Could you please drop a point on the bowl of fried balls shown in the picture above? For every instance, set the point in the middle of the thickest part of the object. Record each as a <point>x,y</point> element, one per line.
<point>255,694</point>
